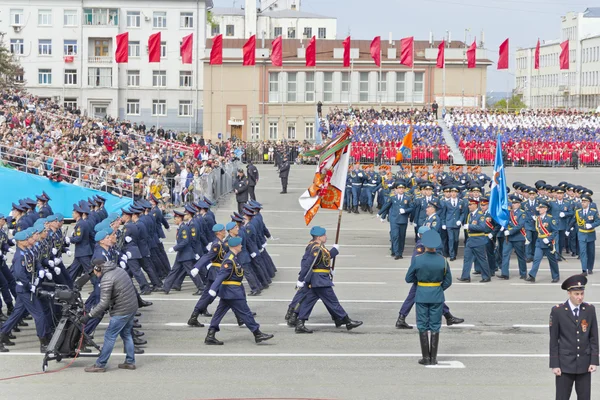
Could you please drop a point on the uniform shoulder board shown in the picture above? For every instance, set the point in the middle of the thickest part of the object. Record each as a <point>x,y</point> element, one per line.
<point>230,257</point>
<point>479,212</point>
<point>550,215</point>
<point>593,209</point>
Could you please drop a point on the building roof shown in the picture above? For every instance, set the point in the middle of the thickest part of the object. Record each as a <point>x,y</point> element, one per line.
<point>227,11</point>
<point>293,14</point>
<point>592,12</point>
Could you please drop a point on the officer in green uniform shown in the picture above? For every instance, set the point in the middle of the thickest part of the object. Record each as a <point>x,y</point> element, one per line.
<point>431,272</point>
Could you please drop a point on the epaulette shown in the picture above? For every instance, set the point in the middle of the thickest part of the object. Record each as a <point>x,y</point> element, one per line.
<point>549,215</point>
<point>480,212</point>
<point>593,209</point>
<point>230,257</point>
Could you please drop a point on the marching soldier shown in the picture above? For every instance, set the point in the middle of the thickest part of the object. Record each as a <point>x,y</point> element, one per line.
<point>475,251</point>
<point>453,212</point>
<point>546,228</point>
<point>530,207</point>
<point>516,238</point>
<point>399,210</point>
<point>563,211</point>
<point>588,220</point>
<point>357,177</point>
<point>81,239</point>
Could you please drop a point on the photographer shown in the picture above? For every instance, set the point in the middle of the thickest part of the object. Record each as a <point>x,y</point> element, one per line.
<point>117,294</point>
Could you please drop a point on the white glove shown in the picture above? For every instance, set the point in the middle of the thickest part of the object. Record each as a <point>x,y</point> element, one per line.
<point>444,227</point>
<point>571,229</point>
<point>36,282</point>
<point>332,272</point>
<point>208,266</point>
<point>54,251</point>
<point>197,257</point>
<point>588,226</point>
<point>171,250</point>
<point>41,274</point>
<point>299,284</point>
<point>253,255</point>
<point>264,245</point>
<point>68,240</point>
<point>194,272</point>
<point>48,276</point>
<point>57,261</point>
<point>261,250</point>
<point>501,229</point>
<point>32,290</point>
<point>208,246</point>
<point>160,240</point>
<point>11,231</point>
<point>336,246</point>
<point>402,211</point>
<point>212,293</point>
<point>169,229</point>
<point>458,223</point>
<point>462,181</point>
<point>122,264</point>
<point>382,220</point>
<point>567,233</point>
<point>128,239</point>
<point>128,254</point>
<point>12,250</point>
<point>533,217</point>
<point>562,214</point>
<point>51,263</point>
<point>491,236</point>
<point>69,253</point>
<point>57,271</point>
<point>546,240</point>
<point>124,258</point>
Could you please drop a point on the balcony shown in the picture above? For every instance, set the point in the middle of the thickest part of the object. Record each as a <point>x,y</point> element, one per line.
<point>101,17</point>
<point>100,60</point>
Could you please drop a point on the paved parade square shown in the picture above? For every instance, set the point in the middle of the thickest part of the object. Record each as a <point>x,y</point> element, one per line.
<point>500,352</point>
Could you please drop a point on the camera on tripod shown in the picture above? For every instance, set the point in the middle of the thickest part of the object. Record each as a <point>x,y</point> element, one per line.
<point>61,295</point>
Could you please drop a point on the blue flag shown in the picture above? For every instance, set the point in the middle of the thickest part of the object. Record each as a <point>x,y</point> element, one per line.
<point>318,134</point>
<point>498,196</point>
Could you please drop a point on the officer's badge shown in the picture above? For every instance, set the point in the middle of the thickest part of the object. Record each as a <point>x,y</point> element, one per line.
<point>193,232</point>
<point>405,201</point>
<point>225,265</point>
<point>78,232</point>
<point>584,325</point>
<point>591,217</point>
<point>488,219</point>
<point>433,224</point>
<point>184,234</point>
<point>316,253</point>
<point>247,230</point>
<point>215,249</point>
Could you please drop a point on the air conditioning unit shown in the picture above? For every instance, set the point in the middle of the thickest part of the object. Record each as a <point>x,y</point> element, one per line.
<point>146,18</point>
<point>17,28</point>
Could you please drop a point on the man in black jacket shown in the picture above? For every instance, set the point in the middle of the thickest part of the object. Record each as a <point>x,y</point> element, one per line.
<point>284,172</point>
<point>240,186</point>
<point>574,342</point>
<point>252,179</point>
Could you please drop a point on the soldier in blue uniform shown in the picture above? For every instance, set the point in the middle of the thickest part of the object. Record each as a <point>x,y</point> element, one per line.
<point>7,280</point>
<point>574,342</point>
<point>453,211</point>
<point>530,206</point>
<point>490,246</point>
<point>421,204</point>
<point>587,220</point>
<point>249,245</point>
<point>161,222</point>
<point>431,273</point>
<point>372,185</point>
<point>316,272</point>
<point>398,209</point>
<point>83,247</point>
<point>563,212</point>
<point>228,285</point>
<point>147,241</point>
<point>478,230</point>
<point>515,238</point>
<point>100,201</point>
<point>357,178</point>
<point>546,228</point>
<point>233,229</point>
<point>42,204</point>
<point>131,249</point>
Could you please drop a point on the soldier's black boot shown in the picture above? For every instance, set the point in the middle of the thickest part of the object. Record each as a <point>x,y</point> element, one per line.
<point>210,338</point>
<point>452,320</point>
<point>355,210</point>
<point>349,209</point>
<point>300,328</point>
<point>351,324</point>
<point>205,313</point>
<point>139,341</point>
<point>5,340</point>
<point>401,323</point>
<point>3,349</point>
<point>293,320</point>
<point>10,308</point>
<point>424,349</point>
<point>193,321</point>
<point>261,337</point>
<point>338,322</point>
<point>289,313</point>
<point>435,340</point>
<point>239,321</point>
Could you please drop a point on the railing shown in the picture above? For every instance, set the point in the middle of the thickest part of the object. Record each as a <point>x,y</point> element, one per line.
<point>543,157</point>
<point>100,60</point>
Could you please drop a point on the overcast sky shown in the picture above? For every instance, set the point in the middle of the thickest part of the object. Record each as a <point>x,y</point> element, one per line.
<point>523,21</point>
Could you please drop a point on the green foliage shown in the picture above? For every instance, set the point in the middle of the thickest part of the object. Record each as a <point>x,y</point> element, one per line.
<point>9,69</point>
<point>514,103</point>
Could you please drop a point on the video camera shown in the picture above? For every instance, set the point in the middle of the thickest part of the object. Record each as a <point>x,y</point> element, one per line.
<point>63,294</point>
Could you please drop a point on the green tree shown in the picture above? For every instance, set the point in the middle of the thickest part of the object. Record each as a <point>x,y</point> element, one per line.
<point>514,103</point>
<point>9,69</point>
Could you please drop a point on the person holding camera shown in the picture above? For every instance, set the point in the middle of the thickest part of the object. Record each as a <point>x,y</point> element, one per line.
<point>117,294</point>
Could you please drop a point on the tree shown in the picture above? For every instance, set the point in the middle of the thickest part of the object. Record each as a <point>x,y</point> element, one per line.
<point>514,103</point>
<point>9,69</point>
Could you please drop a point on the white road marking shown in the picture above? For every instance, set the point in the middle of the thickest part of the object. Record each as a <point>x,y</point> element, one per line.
<point>307,355</point>
<point>264,300</point>
<point>332,325</point>
<point>336,282</point>
<point>535,284</point>
<point>447,364</point>
<point>529,326</point>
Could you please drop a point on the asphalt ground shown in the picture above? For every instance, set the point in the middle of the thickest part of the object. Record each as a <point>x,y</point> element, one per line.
<point>500,352</point>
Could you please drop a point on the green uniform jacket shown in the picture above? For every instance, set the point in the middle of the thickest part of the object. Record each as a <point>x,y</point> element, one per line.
<point>431,273</point>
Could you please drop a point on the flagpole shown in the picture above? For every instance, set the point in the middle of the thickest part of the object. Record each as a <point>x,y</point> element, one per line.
<point>444,76</point>
<point>158,105</point>
<point>379,83</point>
<point>222,111</point>
<point>412,92</point>
<point>341,207</point>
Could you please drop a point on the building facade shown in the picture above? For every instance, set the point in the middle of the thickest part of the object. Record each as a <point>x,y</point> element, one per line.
<point>263,102</point>
<point>66,49</point>
<point>551,87</point>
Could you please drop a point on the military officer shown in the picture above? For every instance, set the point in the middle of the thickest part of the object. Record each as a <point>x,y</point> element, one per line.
<point>563,212</point>
<point>371,186</point>
<point>515,239</point>
<point>398,210</point>
<point>530,206</point>
<point>490,246</point>
<point>81,239</point>
<point>587,221</point>
<point>357,178</point>
<point>431,272</point>
<point>453,211</point>
<point>240,187</point>
<point>131,248</point>
<point>546,228</point>
<point>478,230</point>
<point>574,342</point>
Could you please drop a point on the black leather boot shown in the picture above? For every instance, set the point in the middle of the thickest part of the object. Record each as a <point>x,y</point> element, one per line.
<point>136,350</point>
<point>193,321</point>
<point>43,345</point>
<point>293,320</point>
<point>351,324</point>
<point>261,337</point>
<point>356,210</point>
<point>338,323</point>
<point>239,321</point>
<point>452,320</point>
<point>139,341</point>
<point>5,340</point>
<point>3,349</point>
<point>289,313</point>
<point>10,308</point>
<point>401,323</point>
<point>426,360</point>
<point>435,340</point>
<point>210,338</point>
<point>138,333</point>
<point>205,313</point>
<point>300,328</point>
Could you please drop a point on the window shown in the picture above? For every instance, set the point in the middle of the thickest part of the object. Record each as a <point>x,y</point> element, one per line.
<point>45,47</point>
<point>159,78</point>
<point>309,87</point>
<point>327,86</point>
<point>277,31</point>
<point>400,86</point>
<point>20,78</point>
<point>345,86</point>
<point>70,103</point>
<point>45,17</point>
<point>133,19</point>
<point>101,16</point>
<point>291,87</point>
<point>45,76</point>
<point>322,32</point>
<point>382,86</point>
<point>185,78</point>
<point>363,87</point>
<point>70,18</point>
<point>418,87</point>
<point>185,108</point>
<point>273,127</point>
<point>163,49</point>
<point>133,78</point>
<point>309,130</point>
<point>70,47</point>
<point>70,77</point>
<point>17,46</point>
<point>133,49</point>
<point>291,131</point>
<point>229,30</point>
<point>273,87</point>
<point>159,107</point>
<point>16,17</point>
<point>100,77</point>
<point>291,33</point>
<point>186,20</point>
<point>133,107</point>
<point>215,30</point>
<point>255,131</point>
<point>159,19</point>
<point>307,32</point>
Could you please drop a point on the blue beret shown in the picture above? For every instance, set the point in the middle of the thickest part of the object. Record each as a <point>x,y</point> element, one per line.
<point>234,241</point>
<point>317,231</point>
<point>218,227</point>
<point>2,216</point>
<point>101,235</point>
<point>30,231</point>
<point>52,218</point>
<point>20,236</point>
<point>101,226</point>
<point>230,225</point>
<point>39,228</point>
<point>60,217</point>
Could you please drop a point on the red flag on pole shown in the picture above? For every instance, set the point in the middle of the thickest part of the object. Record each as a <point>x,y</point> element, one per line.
<point>564,55</point>
<point>122,53</point>
<point>441,60</point>
<point>406,51</point>
<point>376,50</point>
<point>536,61</point>
<point>277,52</point>
<point>154,48</point>
<point>311,52</point>
<point>472,55</point>
<point>346,44</point>
<point>186,49</point>
<point>216,52</point>
<point>503,55</point>
<point>250,51</point>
